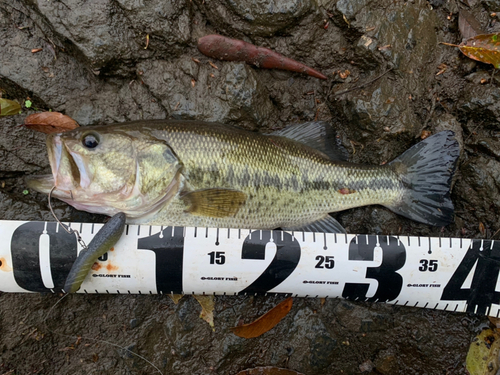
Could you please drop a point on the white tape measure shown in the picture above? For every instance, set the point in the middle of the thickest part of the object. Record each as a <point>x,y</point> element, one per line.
<point>440,273</point>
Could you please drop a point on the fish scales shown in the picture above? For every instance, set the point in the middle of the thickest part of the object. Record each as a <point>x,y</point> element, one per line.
<point>286,183</point>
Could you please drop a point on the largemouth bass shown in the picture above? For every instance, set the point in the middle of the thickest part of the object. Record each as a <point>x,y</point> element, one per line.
<point>189,173</point>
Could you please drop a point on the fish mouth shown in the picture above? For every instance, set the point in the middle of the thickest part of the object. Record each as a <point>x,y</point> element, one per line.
<point>68,171</point>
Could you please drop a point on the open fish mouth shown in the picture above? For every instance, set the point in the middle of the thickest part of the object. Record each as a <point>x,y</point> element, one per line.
<point>66,171</point>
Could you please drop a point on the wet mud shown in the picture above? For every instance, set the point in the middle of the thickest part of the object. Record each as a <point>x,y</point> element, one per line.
<point>389,80</point>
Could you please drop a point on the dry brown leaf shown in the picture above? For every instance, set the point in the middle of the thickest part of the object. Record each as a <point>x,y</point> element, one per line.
<point>425,134</point>
<point>482,229</point>
<point>207,309</point>
<point>469,27</point>
<point>50,122</point>
<point>176,297</point>
<point>268,370</point>
<point>265,322</point>
<point>484,48</point>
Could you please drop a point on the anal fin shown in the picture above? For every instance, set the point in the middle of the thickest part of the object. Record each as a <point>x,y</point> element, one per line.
<point>326,224</point>
<point>214,202</point>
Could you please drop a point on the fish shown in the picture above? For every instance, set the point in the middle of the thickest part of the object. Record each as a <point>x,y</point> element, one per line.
<point>199,174</point>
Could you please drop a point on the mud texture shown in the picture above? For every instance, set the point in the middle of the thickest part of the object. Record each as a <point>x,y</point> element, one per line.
<point>108,61</point>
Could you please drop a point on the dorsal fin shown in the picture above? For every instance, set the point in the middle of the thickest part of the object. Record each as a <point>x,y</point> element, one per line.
<point>319,135</point>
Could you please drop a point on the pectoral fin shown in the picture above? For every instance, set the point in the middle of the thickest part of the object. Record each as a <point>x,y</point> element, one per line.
<point>214,202</point>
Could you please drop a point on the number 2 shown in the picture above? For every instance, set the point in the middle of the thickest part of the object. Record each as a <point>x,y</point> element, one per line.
<point>328,262</point>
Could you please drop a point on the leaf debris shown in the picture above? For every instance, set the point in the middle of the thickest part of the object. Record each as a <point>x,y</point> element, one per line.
<point>266,322</point>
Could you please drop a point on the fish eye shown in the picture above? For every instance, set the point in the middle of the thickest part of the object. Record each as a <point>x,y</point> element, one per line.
<point>90,140</point>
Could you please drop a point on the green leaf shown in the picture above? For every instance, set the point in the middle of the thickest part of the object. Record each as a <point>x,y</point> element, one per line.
<point>28,103</point>
<point>9,107</point>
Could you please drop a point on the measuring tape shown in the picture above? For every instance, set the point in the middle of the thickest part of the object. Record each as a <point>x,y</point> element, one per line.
<point>451,274</point>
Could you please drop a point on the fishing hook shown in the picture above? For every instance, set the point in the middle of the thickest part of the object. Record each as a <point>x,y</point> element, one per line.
<point>68,230</point>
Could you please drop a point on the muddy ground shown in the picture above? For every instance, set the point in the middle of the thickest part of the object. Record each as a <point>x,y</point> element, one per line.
<point>97,66</point>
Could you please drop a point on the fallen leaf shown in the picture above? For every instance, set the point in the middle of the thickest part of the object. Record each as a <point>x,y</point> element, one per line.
<point>9,107</point>
<point>482,229</point>
<point>207,309</point>
<point>176,297</point>
<point>425,134</point>
<point>484,48</point>
<point>469,27</point>
<point>268,370</point>
<point>482,358</point>
<point>50,122</point>
<point>494,321</point>
<point>344,74</point>
<point>265,322</point>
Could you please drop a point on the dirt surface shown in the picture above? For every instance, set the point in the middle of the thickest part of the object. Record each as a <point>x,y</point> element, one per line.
<point>108,61</point>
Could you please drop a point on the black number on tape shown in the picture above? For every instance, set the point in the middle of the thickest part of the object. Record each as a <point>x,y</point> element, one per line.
<point>283,264</point>
<point>325,262</point>
<point>217,257</point>
<point>169,251</point>
<point>428,265</point>
<point>481,293</point>
<point>389,281</point>
<point>25,248</point>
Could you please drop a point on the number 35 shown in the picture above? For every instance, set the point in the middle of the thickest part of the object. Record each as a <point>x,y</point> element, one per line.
<point>428,265</point>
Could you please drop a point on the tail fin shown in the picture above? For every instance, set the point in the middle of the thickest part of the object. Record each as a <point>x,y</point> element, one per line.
<point>426,171</point>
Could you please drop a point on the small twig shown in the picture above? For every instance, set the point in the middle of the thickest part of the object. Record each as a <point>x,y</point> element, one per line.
<point>363,85</point>
<point>494,234</point>
<point>473,130</point>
